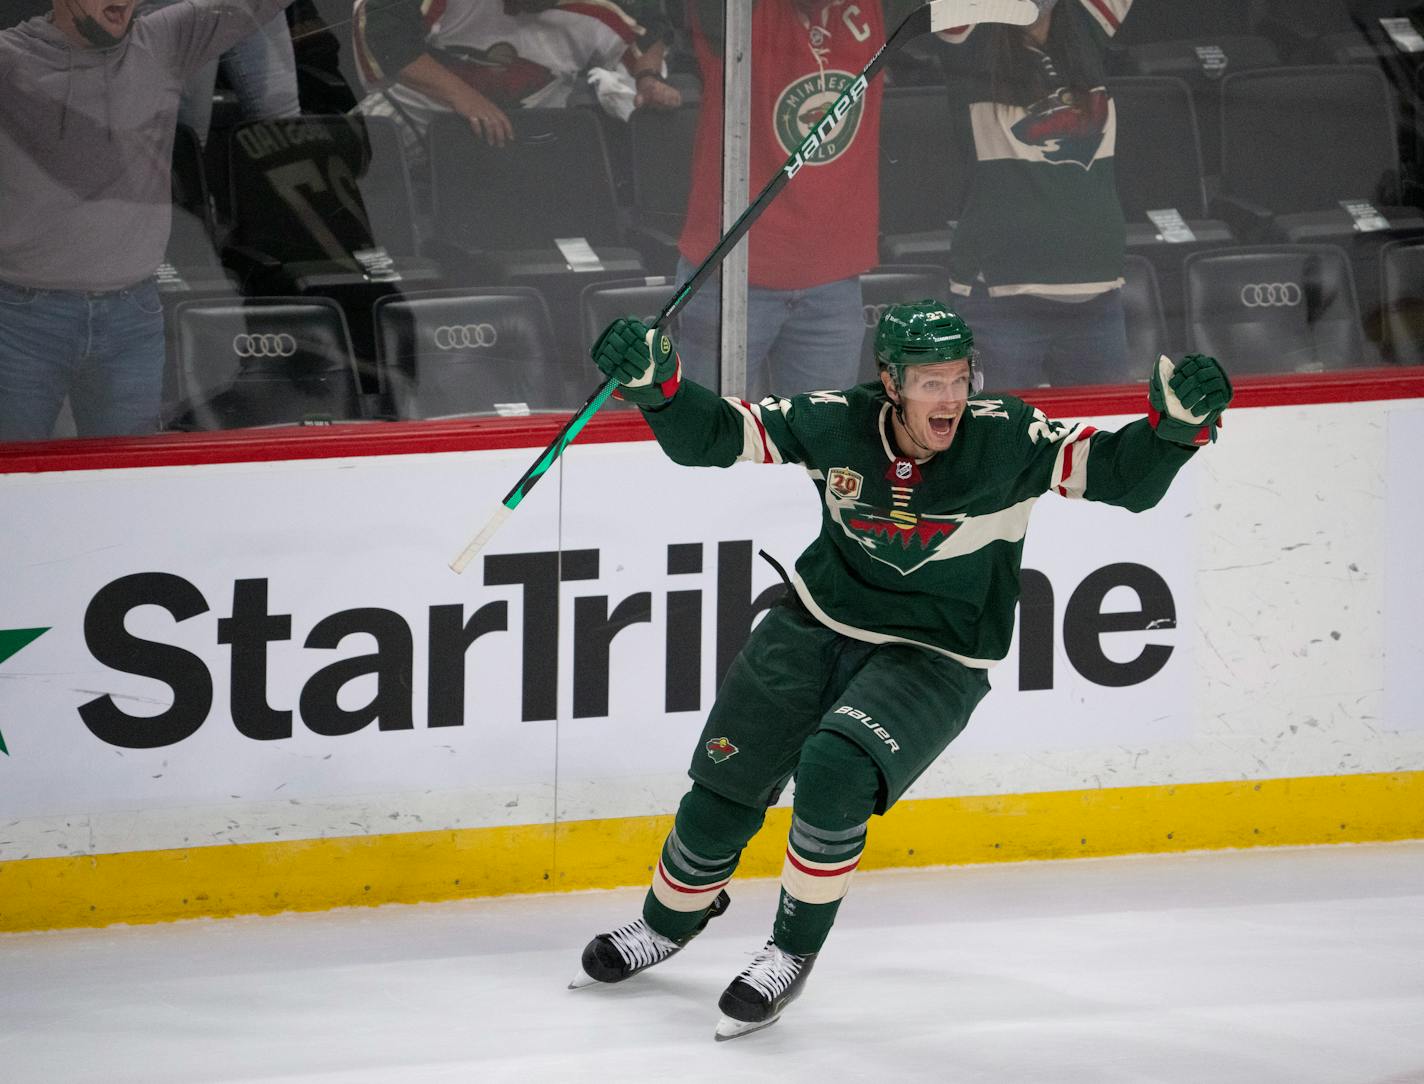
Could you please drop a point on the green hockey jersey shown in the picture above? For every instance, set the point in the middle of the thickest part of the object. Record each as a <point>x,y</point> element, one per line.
<point>919,551</point>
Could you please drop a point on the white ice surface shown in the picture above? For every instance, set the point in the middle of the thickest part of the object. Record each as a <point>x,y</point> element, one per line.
<point>1302,965</point>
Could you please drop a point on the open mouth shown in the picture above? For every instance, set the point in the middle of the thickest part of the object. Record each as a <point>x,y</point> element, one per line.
<point>941,425</point>
<point>115,14</point>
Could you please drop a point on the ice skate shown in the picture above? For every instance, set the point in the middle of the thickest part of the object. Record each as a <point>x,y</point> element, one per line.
<point>757,996</point>
<point>622,953</point>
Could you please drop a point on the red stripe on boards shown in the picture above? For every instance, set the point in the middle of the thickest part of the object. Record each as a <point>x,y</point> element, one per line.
<point>790,857</point>
<point>363,439</point>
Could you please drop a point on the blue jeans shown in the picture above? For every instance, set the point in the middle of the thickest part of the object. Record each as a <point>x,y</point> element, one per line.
<point>797,340</point>
<point>102,350</point>
<point>1031,342</point>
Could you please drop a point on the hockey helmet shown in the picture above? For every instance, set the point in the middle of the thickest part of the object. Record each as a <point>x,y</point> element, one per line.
<point>923,333</point>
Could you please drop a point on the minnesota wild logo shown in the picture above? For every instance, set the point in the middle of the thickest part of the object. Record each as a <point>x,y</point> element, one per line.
<point>802,106</point>
<point>899,538</point>
<point>719,749</point>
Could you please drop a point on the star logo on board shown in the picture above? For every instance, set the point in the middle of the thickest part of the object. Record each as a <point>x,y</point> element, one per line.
<point>11,641</point>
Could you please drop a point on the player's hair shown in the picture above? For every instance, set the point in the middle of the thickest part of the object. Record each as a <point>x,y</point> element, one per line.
<point>1015,75</point>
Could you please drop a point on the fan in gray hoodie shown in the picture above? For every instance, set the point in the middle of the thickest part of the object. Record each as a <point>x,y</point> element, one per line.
<point>88,101</point>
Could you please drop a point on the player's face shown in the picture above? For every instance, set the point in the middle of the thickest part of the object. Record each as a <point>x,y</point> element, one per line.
<point>934,398</point>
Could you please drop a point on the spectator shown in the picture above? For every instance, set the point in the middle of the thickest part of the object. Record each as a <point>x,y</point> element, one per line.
<point>88,101</point>
<point>807,250</point>
<point>1036,262</point>
<point>481,58</point>
<point>261,68</point>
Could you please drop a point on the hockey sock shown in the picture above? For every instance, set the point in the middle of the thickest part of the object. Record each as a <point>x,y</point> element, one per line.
<point>836,787</point>
<point>697,860</point>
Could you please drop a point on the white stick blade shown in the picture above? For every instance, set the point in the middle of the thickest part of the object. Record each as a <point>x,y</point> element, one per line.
<point>945,14</point>
<point>477,543</point>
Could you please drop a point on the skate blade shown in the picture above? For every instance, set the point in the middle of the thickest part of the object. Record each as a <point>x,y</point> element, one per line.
<point>582,979</point>
<point>727,1028</point>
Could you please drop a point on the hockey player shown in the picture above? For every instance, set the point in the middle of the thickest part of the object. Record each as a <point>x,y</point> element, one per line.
<point>873,661</point>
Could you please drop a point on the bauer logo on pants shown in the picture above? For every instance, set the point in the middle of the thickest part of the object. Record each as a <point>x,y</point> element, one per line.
<point>719,749</point>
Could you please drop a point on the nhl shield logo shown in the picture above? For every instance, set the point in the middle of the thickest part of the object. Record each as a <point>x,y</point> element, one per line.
<point>719,749</point>
<point>845,482</point>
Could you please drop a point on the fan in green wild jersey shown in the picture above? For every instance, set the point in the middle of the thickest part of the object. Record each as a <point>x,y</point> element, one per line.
<point>875,659</point>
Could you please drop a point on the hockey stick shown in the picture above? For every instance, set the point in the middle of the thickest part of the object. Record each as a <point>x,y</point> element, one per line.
<point>934,16</point>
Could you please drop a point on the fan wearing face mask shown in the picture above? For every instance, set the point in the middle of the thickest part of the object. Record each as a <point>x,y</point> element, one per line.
<point>88,106</point>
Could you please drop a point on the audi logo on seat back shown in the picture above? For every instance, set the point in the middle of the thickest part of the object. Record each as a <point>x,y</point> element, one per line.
<point>1271,295</point>
<point>873,313</point>
<point>264,346</point>
<point>466,337</point>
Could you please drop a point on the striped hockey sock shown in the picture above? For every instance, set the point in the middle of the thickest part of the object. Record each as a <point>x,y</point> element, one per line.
<point>684,885</point>
<point>814,880</point>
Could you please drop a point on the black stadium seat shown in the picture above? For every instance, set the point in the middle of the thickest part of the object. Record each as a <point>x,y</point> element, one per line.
<point>1275,309</point>
<point>1159,170</point>
<point>264,361</point>
<point>1202,62</point>
<point>191,268</point>
<point>1402,301</point>
<point>1298,144</point>
<point>922,176</point>
<point>1151,21</point>
<point>661,144</point>
<point>455,352</point>
<point>603,302</point>
<point>323,208</point>
<point>539,211</point>
<point>1146,326</point>
<point>1298,140</point>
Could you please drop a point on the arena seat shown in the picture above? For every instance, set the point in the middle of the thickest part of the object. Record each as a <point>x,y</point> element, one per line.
<point>1201,62</point>
<point>1402,301</point>
<point>264,361</point>
<point>661,144</point>
<point>1159,168</point>
<point>1150,21</point>
<point>1279,184</point>
<point>1275,309</point>
<point>922,176</point>
<point>603,302</point>
<point>1146,324</point>
<point>323,208</point>
<point>472,351</point>
<point>191,268</point>
<point>539,211</point>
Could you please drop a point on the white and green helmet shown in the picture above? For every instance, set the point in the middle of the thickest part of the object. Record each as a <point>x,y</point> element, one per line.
<point>923,333</point>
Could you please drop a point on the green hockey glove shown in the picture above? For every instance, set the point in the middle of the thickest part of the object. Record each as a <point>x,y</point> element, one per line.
<point>641,359</point>
<point>1185,400</point>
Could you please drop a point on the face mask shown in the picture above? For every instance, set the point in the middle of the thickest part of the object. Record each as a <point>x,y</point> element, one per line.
<point>90,30</point>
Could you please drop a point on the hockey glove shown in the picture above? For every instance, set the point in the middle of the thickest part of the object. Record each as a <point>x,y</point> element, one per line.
<point>641,359</point>
<point>1185,400</point>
